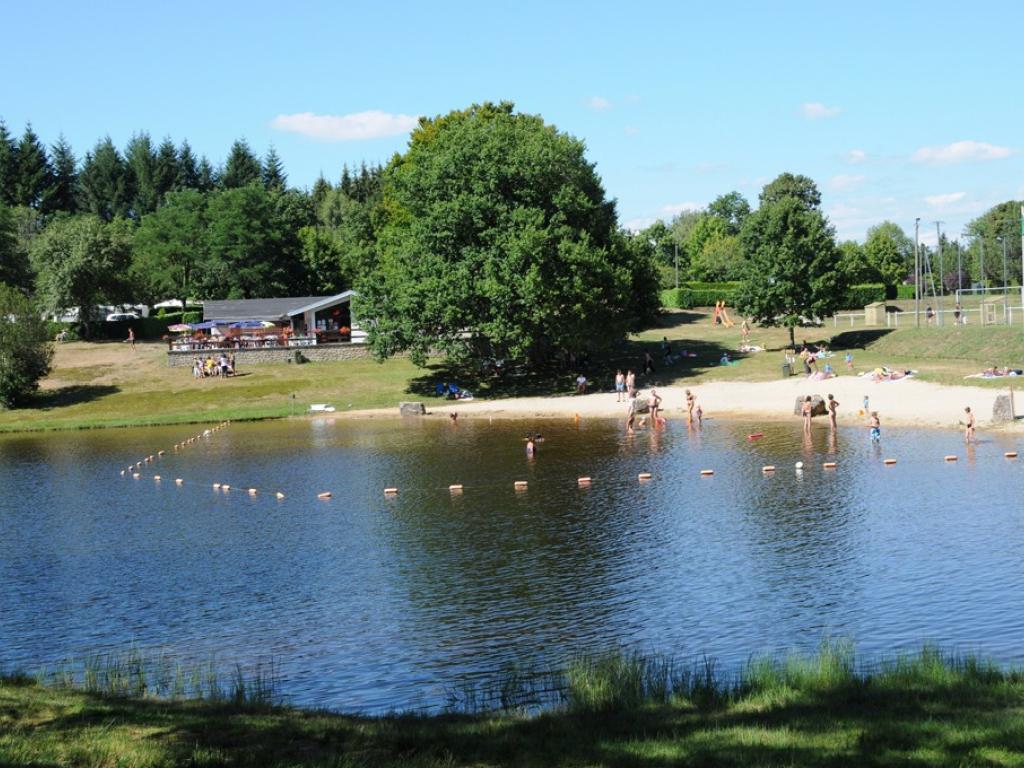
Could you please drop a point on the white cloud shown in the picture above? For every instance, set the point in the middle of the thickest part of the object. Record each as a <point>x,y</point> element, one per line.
<point>960,152</point>
<point>845,181</point>
<point>815,110</point>
<point>637,224</point>
<point>599,103</point>
<point>632,130</point>
<point>675,209</point>
<point>942,201</point>
<point>856,156</point>
<point>357,126</point>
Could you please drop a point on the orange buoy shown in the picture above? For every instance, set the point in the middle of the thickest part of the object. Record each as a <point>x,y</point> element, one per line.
<point>136,475</point>
<point>644,476</point>
<point>156,477</point>
<point>583,481</point>
<point>225,487</point>
<point>457,488</point>
<point>768,468</point>
<point>755,436</point>
<point>829,465</point>
<point>252,491</point>
<point>889,461</point>
<point>216,486</point>
<point>950,458</point>
<point>390,491</point>
<point>520,485</point>
<point>178,481</point>
<point>324,495</point>
<point>707,472</point>
<point>1010,455</point>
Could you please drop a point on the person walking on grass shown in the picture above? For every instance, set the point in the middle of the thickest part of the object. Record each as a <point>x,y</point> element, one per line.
<point>833,404</point>
<point>968,426</point>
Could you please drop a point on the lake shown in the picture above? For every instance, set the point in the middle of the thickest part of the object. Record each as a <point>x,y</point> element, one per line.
<point>372,603</point>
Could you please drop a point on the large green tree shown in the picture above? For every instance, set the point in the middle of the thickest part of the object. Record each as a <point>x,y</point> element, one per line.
<point>792,275</point>
<point>890,253</point>
<point>170,246</point>
<point>81,262</point>
<point>141,159</point>
<point>731,209</point>
<point>274,177</point>
<point>496,240</point>
<point>14,267</point>
<point>8,165</point>
<point>25,351</point>
<point>998,228</point>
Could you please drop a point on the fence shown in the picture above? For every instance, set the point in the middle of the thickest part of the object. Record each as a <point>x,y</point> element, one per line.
<point>986,314</point>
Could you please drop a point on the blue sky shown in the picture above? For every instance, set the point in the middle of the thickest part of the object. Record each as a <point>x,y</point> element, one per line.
<point>897,110</point>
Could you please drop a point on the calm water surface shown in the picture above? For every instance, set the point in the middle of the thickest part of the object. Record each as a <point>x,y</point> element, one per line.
<point>372,603</point>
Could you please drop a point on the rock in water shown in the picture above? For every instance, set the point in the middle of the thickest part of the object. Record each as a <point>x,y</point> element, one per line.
<point>818,406</point>
<point>412,409</point>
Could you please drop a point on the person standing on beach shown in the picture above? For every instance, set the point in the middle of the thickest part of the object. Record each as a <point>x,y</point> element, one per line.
<point>630,383</point>
<point>968,426</point>
<point>807,411</point>
<point>876,427</point>
<point>690,402</point>
<point>833,404</point>
<point>620,385</point>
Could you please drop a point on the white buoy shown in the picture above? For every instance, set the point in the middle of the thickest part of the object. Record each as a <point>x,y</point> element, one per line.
<point>799,465</point>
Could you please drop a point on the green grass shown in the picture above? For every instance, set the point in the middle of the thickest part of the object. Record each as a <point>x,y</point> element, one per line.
<point>924,709</point>
<point>109,385</point>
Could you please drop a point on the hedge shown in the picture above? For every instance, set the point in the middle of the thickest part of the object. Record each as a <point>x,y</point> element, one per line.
<point>905,291</point>
<point>866,293</point>
<point>690,295</point>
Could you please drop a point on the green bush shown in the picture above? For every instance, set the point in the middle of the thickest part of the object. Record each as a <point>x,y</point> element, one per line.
<point>697,294</point>
<point>904,291</point>
<point>25,352</point>
<point>860,295</point>
<point>192,317</point>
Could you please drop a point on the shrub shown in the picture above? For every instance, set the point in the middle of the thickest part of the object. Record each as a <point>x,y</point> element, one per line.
<point>904,291</point>
<point>866,293</point>
<point>25,351</point>
<point>698,294</point>
<point>192,317</point>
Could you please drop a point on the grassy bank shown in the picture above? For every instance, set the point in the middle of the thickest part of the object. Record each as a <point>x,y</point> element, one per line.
<point>108,384</point>
<point>921,710</point>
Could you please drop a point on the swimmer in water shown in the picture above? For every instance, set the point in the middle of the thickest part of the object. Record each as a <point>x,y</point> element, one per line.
<point>531,447</point>
<point>968,426</point>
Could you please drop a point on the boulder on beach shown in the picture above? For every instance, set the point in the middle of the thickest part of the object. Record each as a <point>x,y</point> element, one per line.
<point>412,409</point>
<point>818,406</point>
<point>1002,408</point>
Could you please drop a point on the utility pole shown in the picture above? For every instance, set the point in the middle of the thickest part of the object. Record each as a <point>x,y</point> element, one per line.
<point>1003,241</point>
<point>938,239</point>
<point>677,265</point>
<point>917,274</point>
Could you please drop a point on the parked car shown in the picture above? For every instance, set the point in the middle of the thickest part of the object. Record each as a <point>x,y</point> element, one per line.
<point>115,316</point>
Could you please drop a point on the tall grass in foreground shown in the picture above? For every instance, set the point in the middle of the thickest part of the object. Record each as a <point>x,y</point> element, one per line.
<point>133,673</point>
<point>619,681</point>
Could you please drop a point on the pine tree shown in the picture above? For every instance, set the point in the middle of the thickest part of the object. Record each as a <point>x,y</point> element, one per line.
<point>141,159</point>
<point>188,170</point>
<point>274,177</point>
<point>207,178</point>
<point>8,165</point>
<point>34,172</point>
<point>104,183</point>
<point>346,181</point>
<point>165,172</point>
<point>321,187</point>
<point>242,167</point>
<point>61,196</point>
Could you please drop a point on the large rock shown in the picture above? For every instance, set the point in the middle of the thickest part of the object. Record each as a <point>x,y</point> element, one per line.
<point>643,405</point>
<point>1002,408</point>
<point>412,409</point>
<point>818,406</point>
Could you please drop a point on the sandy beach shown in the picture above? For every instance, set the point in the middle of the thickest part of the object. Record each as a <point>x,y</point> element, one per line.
<point>906,402</point>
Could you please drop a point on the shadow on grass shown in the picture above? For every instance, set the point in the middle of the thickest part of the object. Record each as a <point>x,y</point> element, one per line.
<point>844,724</point>
<point>859,339</point>
<point>71,395</point>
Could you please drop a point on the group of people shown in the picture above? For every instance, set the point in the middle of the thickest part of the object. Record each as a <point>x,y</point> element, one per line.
<point>224,365</point>
<point>874,422</point>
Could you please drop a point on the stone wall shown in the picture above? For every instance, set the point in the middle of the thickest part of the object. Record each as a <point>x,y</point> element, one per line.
<point>279,355</point>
